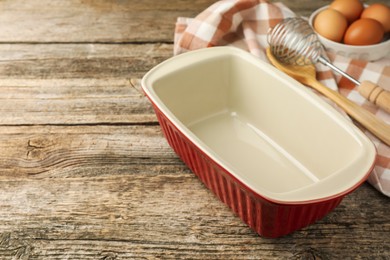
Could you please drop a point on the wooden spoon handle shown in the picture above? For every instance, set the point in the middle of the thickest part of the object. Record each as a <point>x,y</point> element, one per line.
<point>375,94</point>
<point>373,124</point>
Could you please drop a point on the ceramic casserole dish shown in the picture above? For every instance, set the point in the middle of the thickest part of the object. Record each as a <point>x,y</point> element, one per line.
<point>272,150</point>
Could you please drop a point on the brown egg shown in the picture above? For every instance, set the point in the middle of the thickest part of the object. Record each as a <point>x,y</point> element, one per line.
<point>379,12</point>
<point>331,24</point>
<point>351,9</point>
<point>364,31</point>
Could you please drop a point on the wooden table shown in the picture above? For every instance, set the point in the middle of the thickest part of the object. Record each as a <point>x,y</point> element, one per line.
<point>85,172</point>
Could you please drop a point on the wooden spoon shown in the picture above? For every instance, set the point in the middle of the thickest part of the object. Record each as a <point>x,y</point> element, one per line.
<point>307,75</point>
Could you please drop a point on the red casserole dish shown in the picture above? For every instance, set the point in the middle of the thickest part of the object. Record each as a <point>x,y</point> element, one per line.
<point>269,148</point>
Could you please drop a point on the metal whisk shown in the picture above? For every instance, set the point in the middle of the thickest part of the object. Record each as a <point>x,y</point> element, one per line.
<point>294,42</point>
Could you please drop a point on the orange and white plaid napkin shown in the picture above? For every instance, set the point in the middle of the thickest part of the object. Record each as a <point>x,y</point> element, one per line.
<point>245,23</point>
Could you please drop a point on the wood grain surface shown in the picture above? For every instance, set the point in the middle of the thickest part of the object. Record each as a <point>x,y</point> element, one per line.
<point>85,172</point>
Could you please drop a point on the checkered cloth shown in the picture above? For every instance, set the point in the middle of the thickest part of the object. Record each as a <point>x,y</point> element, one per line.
<point>245,23</point>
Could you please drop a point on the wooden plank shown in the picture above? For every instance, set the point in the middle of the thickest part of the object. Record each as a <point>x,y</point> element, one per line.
<point>47,61</point>
<point>73,101</point>
<point>76,83</point>
<point>33,150</point>
<point>170,215</point>
<point>93,20</point>
<point>107,21</point>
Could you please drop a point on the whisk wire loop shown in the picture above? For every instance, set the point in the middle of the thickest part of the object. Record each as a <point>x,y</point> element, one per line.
<point>294,42</point>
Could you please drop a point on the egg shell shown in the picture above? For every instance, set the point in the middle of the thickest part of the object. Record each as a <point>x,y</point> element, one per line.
<point>379,12</point>
<point>331,24</point>
<point>351,9</point>
<point>364,31</point>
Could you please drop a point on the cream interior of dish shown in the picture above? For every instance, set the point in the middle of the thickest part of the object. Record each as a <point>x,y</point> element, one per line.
<point>269,135</point>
